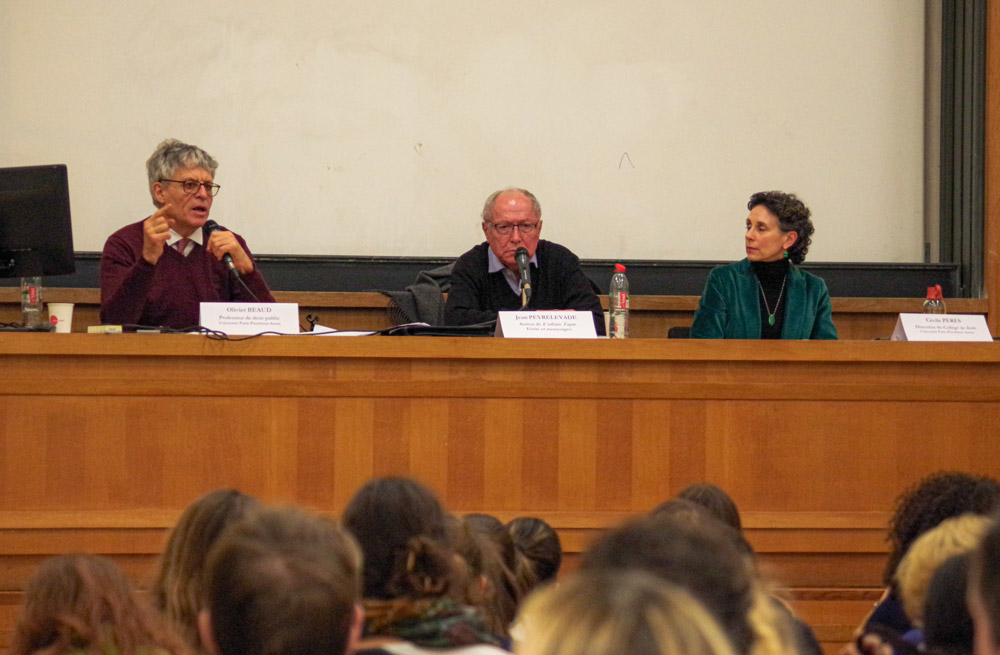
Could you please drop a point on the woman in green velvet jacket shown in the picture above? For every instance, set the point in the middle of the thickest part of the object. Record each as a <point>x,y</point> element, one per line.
<point>765,296</point>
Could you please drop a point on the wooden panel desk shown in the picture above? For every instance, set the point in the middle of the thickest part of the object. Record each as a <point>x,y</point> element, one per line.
<point>105,438</point>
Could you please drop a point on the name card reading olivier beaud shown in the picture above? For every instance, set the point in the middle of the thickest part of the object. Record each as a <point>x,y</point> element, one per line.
<point>250,317</point>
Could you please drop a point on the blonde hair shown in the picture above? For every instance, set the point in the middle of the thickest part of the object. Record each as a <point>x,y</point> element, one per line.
<point>177,590</point>
<point>770,620</point>
<point>612,612</point>
<point>955,536</point>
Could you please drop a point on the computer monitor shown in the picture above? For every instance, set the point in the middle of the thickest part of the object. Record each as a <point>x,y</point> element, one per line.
<point>36,235</point>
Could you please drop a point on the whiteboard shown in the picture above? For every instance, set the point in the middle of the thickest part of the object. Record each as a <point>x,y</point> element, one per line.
<point>379,127</point>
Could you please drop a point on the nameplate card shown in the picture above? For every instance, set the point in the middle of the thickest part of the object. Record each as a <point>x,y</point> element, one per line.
<point>941,327</point>
<point>250,317</point>
<point>546,325</point>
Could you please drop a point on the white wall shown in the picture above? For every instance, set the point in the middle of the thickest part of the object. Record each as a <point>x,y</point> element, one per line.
<point>378,127</point>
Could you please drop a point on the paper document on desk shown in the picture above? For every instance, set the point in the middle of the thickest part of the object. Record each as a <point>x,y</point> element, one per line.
<point>324,331</point>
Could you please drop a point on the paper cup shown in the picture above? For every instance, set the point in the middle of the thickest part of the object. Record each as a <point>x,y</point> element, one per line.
<point>61,316</point>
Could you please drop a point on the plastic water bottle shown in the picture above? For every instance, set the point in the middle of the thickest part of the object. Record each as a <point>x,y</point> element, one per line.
<point>618,304</point>
<point>31,301</point>
<point>934,303</point>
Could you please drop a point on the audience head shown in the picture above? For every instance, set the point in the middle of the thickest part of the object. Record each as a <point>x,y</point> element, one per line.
<point>681,509</point>
<point>85,604</point>
<point>947,624</point>
<point>505,209</point>
<point>172,156</point>
<point>485,576</point>
<point>932,500</point>
<point>715,500</point>
<point>953,536</point>
<point>177,591</point>
<point>984,593</point>
<point>403,534</point>
<point>539,552</point>
<point>282,582</point>
<point>499,563</point>
<point>614,612</point>
<point>698,557</point>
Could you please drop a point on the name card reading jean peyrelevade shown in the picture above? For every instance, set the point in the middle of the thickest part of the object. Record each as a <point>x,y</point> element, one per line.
<point>546,325</point>
<point>250,317</point>
<point>941,327</point>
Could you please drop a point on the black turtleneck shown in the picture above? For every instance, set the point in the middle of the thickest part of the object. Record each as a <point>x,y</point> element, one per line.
<point>771,276</point>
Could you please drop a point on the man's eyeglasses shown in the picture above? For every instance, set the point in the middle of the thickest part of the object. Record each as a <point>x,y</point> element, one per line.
<point>191,186</point>
<point>524,229</point>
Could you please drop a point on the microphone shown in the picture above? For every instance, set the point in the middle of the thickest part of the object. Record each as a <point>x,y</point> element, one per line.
<point>521,257</point>
<point>212,226</point>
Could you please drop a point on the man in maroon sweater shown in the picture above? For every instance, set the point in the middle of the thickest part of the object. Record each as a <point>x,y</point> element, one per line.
<point>157,271</point>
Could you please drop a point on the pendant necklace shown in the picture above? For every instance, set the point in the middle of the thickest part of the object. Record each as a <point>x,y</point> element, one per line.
<point>770,314</point>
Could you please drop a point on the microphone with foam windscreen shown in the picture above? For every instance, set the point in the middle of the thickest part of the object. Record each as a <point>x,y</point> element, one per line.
<point>212,226</point>
<point>522,259</point>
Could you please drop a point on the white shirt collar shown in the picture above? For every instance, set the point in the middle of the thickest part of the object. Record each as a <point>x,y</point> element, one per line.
<point>513,280</point>
<point>196,236</point>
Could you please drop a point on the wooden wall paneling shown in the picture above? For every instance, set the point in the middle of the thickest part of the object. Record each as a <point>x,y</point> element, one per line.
<point>814,441</point>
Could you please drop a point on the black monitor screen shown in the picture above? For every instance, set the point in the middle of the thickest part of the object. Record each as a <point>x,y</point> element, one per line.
<point>36,236</point>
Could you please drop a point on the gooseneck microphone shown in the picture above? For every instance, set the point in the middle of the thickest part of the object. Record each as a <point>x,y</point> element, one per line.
<point>212,226</point>
<point>522,258</point>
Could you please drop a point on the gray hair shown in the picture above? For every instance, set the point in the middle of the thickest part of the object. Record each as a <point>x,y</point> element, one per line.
<point>488,207</point>
<point>172,154</point>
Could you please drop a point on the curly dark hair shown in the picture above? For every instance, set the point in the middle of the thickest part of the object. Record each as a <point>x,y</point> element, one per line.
<point>793,216</point>
<point>932,500</point>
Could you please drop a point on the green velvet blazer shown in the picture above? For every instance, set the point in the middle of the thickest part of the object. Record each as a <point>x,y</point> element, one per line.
<point>729,308</point>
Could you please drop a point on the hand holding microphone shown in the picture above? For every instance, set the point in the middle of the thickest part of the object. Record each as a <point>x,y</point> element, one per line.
<point>226,243</point>
<point>522,258</point>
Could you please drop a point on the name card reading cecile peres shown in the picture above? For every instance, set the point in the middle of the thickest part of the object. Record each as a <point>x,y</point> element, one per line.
<point>941,327</point>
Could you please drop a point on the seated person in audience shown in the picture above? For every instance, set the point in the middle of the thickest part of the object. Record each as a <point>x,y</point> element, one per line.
<point>707,503</point>
<point>715,499</point>
<point>179,586</point>
<point>765,296</point>
<point>282,582</point>
<point>918,509</point>
<point>83,604</point>
<point>485,280</point>
<point>506,591</point>
<point>984,593</point>
<point>703,559</point>
<point>947,623</point>
<point>539,551</point>
<point>616,613</point>
<point>954,536</point>
<point>416,589</point>
<point>156,272</point>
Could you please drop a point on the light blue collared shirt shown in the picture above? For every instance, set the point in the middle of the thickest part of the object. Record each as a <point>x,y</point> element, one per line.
<point>513,280</point>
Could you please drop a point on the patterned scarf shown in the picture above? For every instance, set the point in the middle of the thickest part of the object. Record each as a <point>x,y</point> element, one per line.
<point>430,623</point>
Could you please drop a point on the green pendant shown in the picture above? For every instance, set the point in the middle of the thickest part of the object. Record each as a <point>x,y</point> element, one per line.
<point>770,319</point>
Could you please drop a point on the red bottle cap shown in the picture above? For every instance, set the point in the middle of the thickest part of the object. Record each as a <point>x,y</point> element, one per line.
<point>934,292</point>
<point>619,268</point>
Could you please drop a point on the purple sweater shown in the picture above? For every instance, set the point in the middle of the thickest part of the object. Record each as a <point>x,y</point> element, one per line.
<point>135,292</point>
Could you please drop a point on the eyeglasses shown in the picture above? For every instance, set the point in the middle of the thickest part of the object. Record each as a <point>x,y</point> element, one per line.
<point>524,229</point>
<point>191,186</point>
